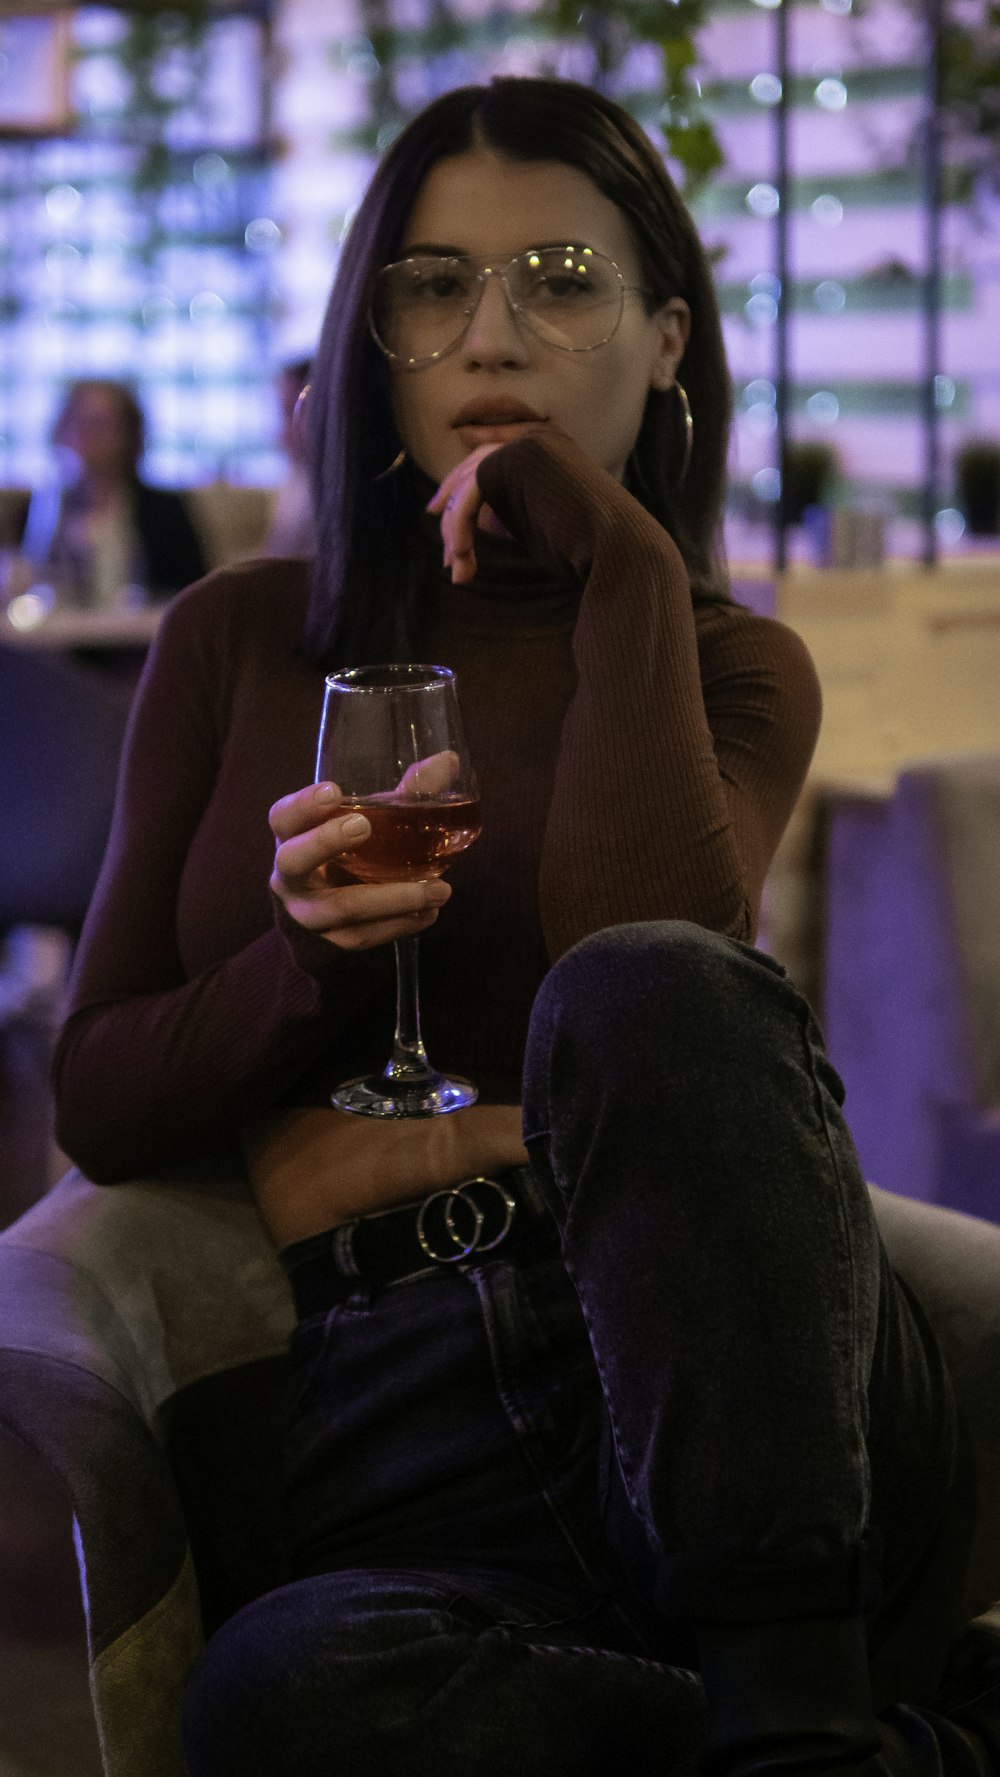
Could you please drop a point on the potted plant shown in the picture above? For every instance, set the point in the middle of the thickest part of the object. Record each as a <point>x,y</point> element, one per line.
<point>808,474</point>
<point>977,478</point>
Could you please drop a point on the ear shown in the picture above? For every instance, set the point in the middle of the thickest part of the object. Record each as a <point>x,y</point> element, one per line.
<point>673,326</point>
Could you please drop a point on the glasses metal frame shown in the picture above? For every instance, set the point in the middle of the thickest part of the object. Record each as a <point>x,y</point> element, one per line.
<point>486,271</point>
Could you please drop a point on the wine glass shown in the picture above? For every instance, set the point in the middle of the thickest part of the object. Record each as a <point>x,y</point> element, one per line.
<point>392,739</point>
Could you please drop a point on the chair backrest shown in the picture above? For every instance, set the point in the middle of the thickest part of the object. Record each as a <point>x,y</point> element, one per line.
<point>912,978</point>
<point>964,797</point>
<point>233,520</point>
<point>61,732</point>
<point>952,1263</point>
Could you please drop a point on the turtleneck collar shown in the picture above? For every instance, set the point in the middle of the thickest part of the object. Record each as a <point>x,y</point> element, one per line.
<point>510,587</point>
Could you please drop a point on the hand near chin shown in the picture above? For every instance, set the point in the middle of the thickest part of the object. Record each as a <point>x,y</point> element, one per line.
<point>463,512</point>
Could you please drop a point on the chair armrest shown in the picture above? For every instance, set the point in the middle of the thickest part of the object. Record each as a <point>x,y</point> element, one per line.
<point>63,1392</point>
<point>951,1261</point>
<point>175,1279</point>
<point>120,1306</point>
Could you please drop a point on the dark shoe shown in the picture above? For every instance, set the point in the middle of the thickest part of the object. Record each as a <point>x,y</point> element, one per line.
<point>793,1700</point>
<point>970,1693</point>
<point>789,1699</point>
<point>924,1743</point>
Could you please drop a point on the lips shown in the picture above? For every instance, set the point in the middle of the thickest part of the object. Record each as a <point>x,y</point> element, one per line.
<point>495,410</point>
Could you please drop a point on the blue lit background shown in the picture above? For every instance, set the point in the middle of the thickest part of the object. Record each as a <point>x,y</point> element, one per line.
<point>199,296</point>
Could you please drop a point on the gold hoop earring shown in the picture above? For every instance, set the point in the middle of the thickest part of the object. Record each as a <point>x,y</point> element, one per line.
<point>300,405</point>
<point>397,463</point>
<point>688,423</point>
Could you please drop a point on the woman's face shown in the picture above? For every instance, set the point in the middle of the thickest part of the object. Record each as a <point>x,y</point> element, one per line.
<point>94,429</point>
<point>490,208</point>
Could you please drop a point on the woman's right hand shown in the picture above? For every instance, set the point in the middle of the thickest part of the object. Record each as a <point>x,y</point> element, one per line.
<point>310,835</point>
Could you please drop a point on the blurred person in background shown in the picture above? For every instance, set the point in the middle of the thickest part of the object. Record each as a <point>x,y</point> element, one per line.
<point>292,529</point>
<point>101,532</point>
<point>101,537</point>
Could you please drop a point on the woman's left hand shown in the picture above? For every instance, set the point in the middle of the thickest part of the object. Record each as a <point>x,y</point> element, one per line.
<point>463,511</point>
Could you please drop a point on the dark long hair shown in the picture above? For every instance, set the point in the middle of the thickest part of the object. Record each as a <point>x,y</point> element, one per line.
<point>366,522</point>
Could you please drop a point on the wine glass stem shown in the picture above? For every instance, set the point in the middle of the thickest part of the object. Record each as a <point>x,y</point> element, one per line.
<point>409,1057</point>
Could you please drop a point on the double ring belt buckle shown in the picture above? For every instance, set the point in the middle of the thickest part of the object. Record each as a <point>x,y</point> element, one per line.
<point>462,1222</point>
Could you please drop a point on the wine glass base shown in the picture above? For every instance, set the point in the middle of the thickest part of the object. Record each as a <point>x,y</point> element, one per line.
<point>378,1095</point>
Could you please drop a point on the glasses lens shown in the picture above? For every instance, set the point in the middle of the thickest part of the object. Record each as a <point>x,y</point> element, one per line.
<point>571,297</point>
<point>421,306</point>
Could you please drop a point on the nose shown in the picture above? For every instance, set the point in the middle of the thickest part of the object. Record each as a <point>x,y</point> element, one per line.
<point>493,336</point>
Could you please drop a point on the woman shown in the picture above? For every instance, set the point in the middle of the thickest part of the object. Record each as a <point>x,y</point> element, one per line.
<point>109,531</point>
<point>672,1469</point>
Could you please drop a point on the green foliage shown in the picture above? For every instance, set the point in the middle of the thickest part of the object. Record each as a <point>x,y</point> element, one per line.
<point>977,480</point>
<point>970,86</point>
<point>808,474</point>
<point>157,37</point>
<point>968,112</point>
<point>609,28</point>
<point>613,27</point>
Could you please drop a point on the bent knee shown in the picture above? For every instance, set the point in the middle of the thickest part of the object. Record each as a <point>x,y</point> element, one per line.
<point>669,965</point>
<point>323,1662</point>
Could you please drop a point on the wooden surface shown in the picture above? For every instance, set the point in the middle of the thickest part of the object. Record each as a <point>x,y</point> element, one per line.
<point>69,627</point>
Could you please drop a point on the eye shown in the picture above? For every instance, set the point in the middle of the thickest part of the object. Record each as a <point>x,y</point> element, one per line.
<point>564,285</point>
<point>438,283</point>
<point>563,276</point>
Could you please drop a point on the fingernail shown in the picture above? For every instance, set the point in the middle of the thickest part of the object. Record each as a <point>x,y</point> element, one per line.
<point>437,892</point>
<point>357,825</point>
<point>326,793</point>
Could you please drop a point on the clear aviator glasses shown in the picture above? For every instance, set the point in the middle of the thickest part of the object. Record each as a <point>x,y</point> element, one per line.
<point>571,298</point>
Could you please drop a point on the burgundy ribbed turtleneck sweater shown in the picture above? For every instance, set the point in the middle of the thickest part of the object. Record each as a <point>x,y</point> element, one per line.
<point>638,759</point>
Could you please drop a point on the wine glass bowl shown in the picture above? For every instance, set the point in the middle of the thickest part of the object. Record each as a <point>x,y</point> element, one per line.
<point>415,832</point>
<point>392,740</point>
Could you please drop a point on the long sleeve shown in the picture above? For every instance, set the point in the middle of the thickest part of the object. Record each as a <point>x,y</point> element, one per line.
<point>689,733</point>
<point>155,1062</point>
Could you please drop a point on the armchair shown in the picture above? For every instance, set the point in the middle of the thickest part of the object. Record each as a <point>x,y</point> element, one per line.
<point>912,982</point>
<point>142,1337</point>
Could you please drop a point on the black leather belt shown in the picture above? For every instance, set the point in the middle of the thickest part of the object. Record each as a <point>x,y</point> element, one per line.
<point>503,1216</point>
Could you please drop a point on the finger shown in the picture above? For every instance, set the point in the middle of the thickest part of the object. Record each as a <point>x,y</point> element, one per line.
<point>385,931</point>
<point>298,858</point>
<point>487,520</point>
<point>464,567</point>
<point>428,777</point>
<point>458,522</point>
<point>322,907</point>
<point>457,479</point>
<point>303,809</point>
<point>458,529</point>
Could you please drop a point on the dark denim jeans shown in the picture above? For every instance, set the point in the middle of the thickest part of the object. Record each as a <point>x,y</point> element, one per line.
<point>513,1489</point>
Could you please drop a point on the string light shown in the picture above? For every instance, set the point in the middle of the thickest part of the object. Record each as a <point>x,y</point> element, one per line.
<point>828,210</point>
<point>766,485</point>
<point>763,199</point>
<point>823,406</point>
<point>831,94</point>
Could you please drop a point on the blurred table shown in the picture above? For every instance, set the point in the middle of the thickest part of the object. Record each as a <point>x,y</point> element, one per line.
<point>67,627</point>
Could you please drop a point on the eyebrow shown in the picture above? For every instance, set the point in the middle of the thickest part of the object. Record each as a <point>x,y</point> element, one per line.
<point>445,251</point>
